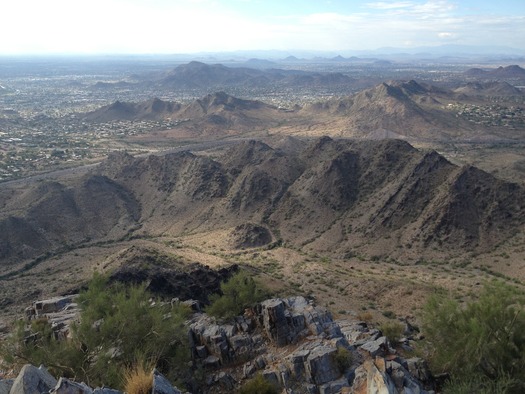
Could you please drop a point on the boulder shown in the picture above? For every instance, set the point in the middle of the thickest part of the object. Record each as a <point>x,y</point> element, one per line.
<point>66,386</point>
<point>33,380</point>
<point>335,387</point>
<point>320,365</point>
<point>52,305</point>
<point>274,321</point>
<point>379,347</point>
<point>371,379</point>
<point>161,385</point>
<point>5,385</point>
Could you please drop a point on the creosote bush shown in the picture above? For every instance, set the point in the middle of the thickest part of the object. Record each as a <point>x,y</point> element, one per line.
<point>239,292</point>
<point>393,330</point>
<point>481,344</point>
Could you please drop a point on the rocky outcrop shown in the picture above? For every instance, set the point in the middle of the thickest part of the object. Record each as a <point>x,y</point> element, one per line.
<point>289,341</point>
<point>249,235</point>
<point>59,312</point>
<point>298,346</point>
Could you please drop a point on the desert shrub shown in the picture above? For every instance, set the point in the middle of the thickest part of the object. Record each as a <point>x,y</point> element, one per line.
<point>343,358</point>
<point>258,385</point>
<point>389,314</point>
<point>483,341</point>
<point>393,330</point>
<point>118,325</point>
<point>238,293</point>
<point>367,317</point>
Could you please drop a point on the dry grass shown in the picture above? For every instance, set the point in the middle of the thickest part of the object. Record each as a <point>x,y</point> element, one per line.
<point>138,379</point>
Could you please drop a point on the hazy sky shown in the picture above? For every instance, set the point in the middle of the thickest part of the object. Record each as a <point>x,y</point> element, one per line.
<point>187,26</point>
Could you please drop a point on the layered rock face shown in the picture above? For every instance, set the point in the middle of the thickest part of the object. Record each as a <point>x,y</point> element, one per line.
<point>300,348</point>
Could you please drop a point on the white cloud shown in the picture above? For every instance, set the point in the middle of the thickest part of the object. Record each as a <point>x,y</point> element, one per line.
<point>446,35</point>
<point>382,5</point>
<point>175,26</point>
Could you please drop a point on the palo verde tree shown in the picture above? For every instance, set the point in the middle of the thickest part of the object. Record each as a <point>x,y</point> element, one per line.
<point>119,326</point>
<point>481,344</point>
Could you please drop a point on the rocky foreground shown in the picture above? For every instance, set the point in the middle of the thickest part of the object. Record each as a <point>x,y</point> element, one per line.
<point>296,345</point>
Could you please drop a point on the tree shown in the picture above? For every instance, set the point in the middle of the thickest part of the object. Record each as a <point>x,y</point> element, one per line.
<point>482,342</point>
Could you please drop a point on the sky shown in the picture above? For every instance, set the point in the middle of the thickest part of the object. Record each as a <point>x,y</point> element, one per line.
<point>192,26</point>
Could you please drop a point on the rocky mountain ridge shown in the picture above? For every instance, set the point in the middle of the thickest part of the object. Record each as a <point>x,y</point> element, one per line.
<point>330,195</point>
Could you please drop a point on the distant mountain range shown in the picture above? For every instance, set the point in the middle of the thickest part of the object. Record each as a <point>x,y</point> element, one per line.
<point>394,109</point>
<point>508,72</point>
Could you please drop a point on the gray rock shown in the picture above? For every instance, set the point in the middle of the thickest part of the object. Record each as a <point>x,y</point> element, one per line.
<point>249,369</point>
<point>52,305</point>
<point>271,376</point>
<point>334,387</point>
<point>321,366</point>
<point>33,380</point>
<point>66,386</point>
<point>161,385</point>
<point>419,369</point>
<point>201,351</point>
<point>379,347</point>
<point>274,321</point>
<point>297,361</point>
<point>5,385</point>
<point>212,362</point>
<point>226,381</point>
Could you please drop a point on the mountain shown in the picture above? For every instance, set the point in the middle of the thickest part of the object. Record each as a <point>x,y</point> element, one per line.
<point>198,75</point>
<point>491,88</point>
<point>331,196</point>
<point>215,113</point>
<point>508,72</point>
<point>401,109</point>
<point>154,109</point>
<point>52,215</point>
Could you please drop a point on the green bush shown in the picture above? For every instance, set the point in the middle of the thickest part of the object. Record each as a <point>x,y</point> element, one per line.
<point>118,326</point>
<point>484,341</point>
<point>258,385</point>
<point>393,330</point>
<point>238,293</point>
<point>343,358</point>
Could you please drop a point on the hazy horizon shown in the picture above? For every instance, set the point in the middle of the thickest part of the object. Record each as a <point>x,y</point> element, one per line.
<point>34,27</point>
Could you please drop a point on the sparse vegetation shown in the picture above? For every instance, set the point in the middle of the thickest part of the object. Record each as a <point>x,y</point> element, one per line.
<point>343,358</point>
<point>258,385</point>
